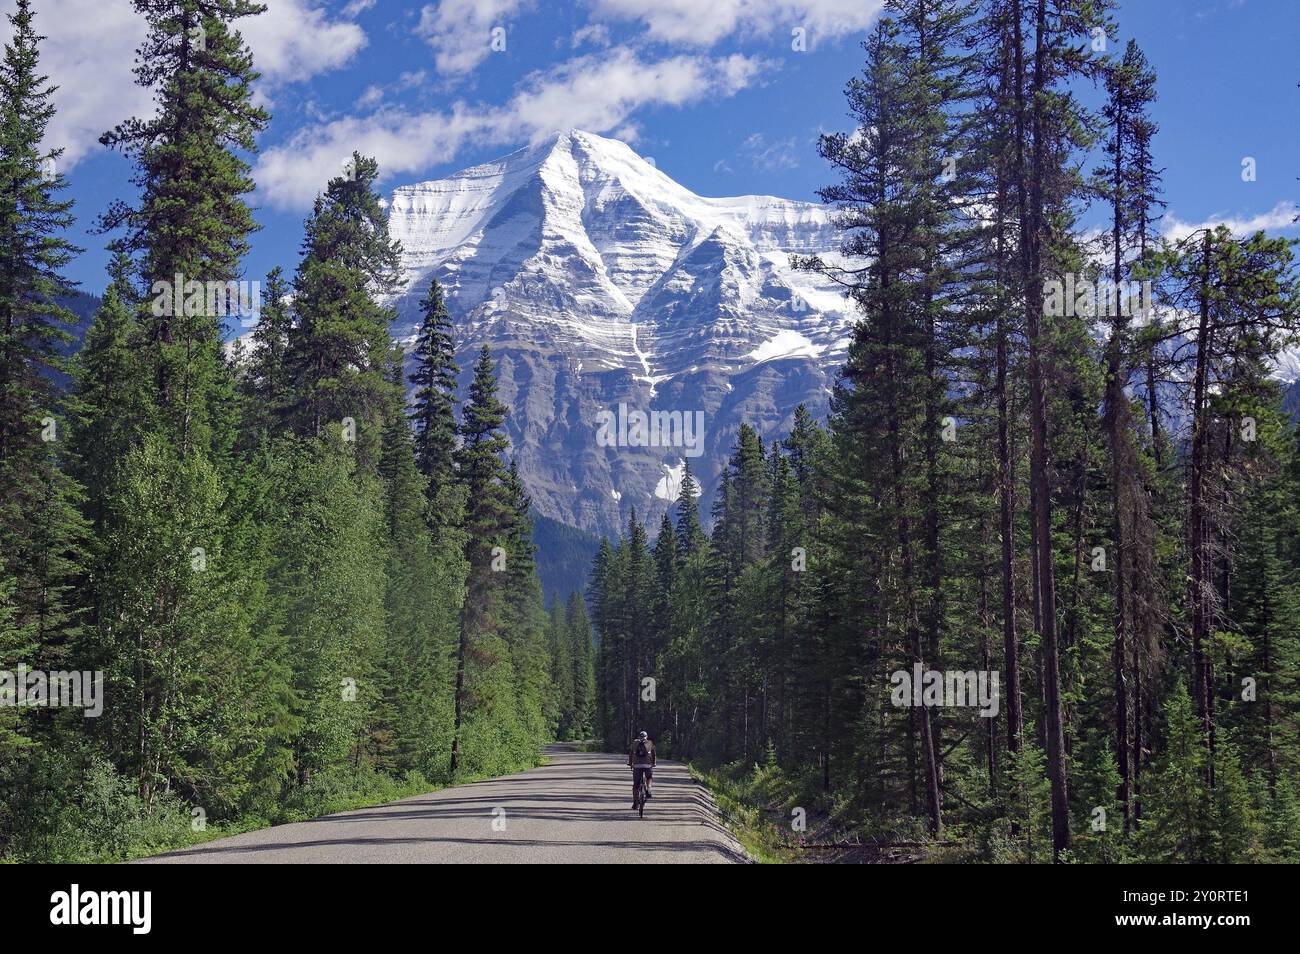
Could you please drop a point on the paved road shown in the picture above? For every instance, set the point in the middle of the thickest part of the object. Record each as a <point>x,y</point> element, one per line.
<point>573,810</point>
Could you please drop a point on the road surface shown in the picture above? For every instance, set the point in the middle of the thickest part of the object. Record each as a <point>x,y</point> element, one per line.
<point>575,809</point>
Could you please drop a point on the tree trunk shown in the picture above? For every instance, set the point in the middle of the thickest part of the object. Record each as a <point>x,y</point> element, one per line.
<point>1199,537</point>
<point>1039,458</point>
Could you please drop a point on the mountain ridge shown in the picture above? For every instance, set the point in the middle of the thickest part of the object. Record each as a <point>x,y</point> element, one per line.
<point>599,281</point>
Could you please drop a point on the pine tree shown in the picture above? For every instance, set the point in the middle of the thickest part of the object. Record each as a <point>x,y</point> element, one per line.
<point>42,531</point>
<point>582,653</point>
<point>424,584</point>
<point>332,589</point>
<point>883,401</point>
<point>1241,295</point>
<point>176,637</point>
<point>15,647</point>
<point>1235,830</point>
<point>690,535</point>
<point>1130,87</point>
<point>601,593</point>
<point>190,227</point>
<point>524,623</point>
<point>561,702</point>
<point>489,521</point>
<point>1177,812</point>
<point>1046,127</point>
<point>265,381</point>
<point>33,248</point>
<point>1262,674</point>
<point>110,406</point>
<point>435,393</point>
<point>339,347</point>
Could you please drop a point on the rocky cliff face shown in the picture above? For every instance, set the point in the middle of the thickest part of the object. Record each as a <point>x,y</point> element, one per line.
<point>620,305</point>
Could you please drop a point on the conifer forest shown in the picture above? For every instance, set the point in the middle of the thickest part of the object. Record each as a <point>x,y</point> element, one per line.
<point>1018,582</point>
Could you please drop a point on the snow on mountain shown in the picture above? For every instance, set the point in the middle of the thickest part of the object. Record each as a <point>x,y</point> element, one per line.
<point>600,283</point>
<point>1288,366</point>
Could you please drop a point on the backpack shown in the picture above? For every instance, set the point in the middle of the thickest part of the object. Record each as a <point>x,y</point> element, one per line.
<point>641,751</point>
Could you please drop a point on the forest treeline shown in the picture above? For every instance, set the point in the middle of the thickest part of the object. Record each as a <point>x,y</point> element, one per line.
<point>1026,472</point>
<point>299,587</point>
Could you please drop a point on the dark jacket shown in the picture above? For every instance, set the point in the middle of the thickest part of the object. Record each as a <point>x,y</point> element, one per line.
<point>650,757</point>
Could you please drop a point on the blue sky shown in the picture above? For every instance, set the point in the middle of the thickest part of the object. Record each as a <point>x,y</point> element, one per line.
<point>711,89</point>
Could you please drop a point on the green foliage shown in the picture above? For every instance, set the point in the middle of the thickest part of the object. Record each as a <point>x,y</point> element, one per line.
<point>306,594</point>
<point>435,393</point>
<point>191,222</point>
<point>278,580</point>
<point>339,350</point>
<point>1176,825</point>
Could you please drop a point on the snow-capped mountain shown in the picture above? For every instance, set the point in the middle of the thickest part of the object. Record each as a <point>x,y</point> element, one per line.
<point>604,289</point>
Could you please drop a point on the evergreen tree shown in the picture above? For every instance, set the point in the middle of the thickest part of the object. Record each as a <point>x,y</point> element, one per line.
<point>489,522</point>
<point>690,535</point>
<point>339,346</point>
<point>33,249</point>
<point>1127,185</point>
<point>15,647</point>
<point>41,529</point>
<point>1176,823</point>
<point>176,638</point>
<point>190,227</point>
<point>582,654</point>
<point>435,393</point>
<point>561,702</point>
<point>265,384</point>
<point>110,406</point>
<point>424,587</point>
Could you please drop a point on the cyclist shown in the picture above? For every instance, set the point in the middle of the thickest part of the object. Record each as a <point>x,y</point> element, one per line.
<point>641,759</point>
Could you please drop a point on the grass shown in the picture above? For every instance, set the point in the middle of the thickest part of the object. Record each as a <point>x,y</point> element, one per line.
<point>750,822</point>
<point>103,820</point>
<point>367,793</point>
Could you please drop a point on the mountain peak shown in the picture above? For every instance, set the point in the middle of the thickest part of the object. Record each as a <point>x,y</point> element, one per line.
<point>599,282</point>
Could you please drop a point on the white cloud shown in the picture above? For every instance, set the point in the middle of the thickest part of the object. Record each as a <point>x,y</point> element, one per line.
<point>460,31</point>
<point>88,53</point>
<point>371,97</point>
<point>598,93</point>
<point>597,34</point>
<point>90,48</point>
<point>411,79</point>
<point>770,156</point>
<point>595,93</point>
<point>703,24</point>
<point>296,39</point>
<point>375,93</point>
<point>1281,216</point>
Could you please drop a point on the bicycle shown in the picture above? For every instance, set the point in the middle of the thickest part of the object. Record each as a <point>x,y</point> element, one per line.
<point>642,788</point>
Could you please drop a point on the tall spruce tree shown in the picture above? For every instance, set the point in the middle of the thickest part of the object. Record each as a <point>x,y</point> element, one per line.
<point>1126,184</point>
<point>33,246</point>
<point>190,227</point>
<point>42,530</point>
<point>489,520</point>
<point>265,384</point>
<point>339,346</point>
<point>434,413</point>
